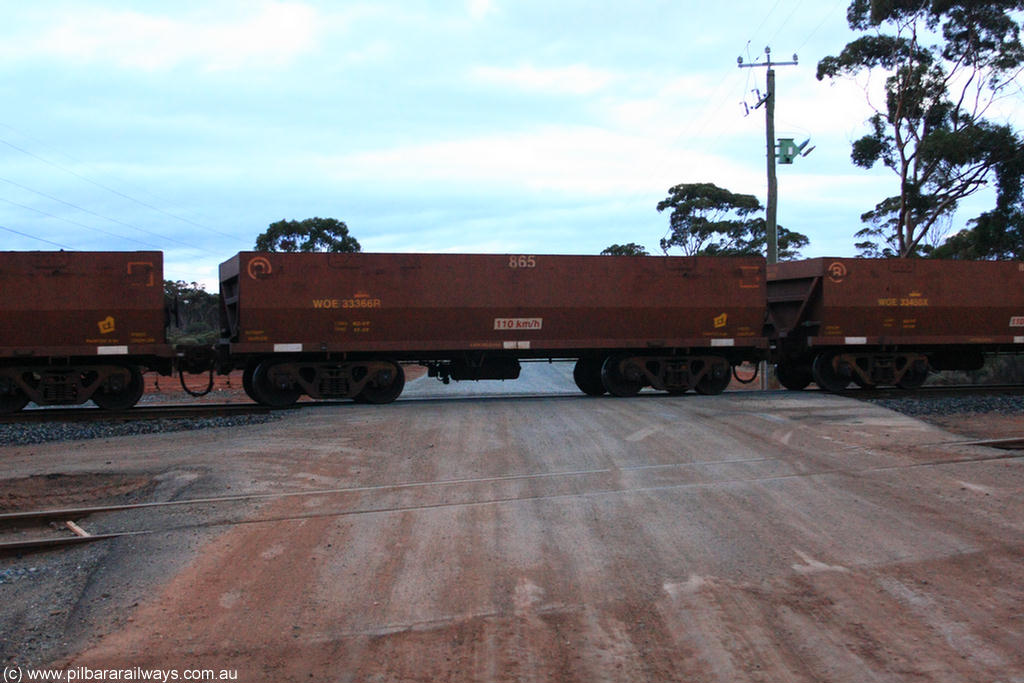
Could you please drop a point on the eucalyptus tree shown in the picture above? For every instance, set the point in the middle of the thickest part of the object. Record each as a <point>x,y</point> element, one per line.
<point>711,220</point>
<point>311,234</point>
<point>945,63</point>
<point>629,249</point>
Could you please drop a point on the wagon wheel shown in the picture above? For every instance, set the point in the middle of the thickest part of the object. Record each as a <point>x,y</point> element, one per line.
<point>715,380</point>
<point>269,393</point>
<point>12,398</point>
<point>826,375</point>
<point>621,378</point>
<point>793,376</point>
<point>915,376</point>
<point>384,387</point>
<point>118,395</point>
<point>250,370</point>
<point>587,375</point>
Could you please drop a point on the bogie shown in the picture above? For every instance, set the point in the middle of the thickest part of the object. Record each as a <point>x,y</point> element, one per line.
<point>280,383</point>
<point>111,387</point>
<point>625,375</point>
<point>836,370</point>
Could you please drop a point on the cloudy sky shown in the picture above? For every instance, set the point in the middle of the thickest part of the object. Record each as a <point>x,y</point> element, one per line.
<point>510,126</point>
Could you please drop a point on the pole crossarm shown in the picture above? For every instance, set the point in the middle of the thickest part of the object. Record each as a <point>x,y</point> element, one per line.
<point>767,64</point>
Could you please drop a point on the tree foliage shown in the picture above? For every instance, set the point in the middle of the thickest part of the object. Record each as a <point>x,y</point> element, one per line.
<point>707,219</point>
<point>630,249</point>
<point>945,63</point>
<point>995,234</point>
<point>311,234</point>
<point>194,313</point>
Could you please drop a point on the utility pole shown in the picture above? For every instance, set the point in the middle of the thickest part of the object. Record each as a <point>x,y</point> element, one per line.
<point>773,186</point>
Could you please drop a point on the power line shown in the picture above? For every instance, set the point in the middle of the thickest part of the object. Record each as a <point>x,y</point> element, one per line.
<point>106,218</point>
<point>33,237</point>
<point>828,15</point>
<point>728,83</point>
<point>765,20</point>
<point>79,162</point>
<point>693,128</point>
<point>110,189</point>
<point>784,23</point>
<point>82,225</point>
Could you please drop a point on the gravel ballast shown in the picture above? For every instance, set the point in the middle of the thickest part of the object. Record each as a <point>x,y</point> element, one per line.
<point>916,406</point>
<point>23,434</point>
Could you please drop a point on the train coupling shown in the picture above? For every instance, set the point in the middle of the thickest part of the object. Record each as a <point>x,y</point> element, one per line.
<point>195,359</point>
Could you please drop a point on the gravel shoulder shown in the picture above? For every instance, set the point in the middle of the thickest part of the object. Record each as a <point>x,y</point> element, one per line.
<point>744,537</point>
<point>989,417</point>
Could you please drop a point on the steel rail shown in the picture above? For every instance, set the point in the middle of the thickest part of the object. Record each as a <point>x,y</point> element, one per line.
<point>141,413</point>
<point>179,410</point>
<point>25,545</point>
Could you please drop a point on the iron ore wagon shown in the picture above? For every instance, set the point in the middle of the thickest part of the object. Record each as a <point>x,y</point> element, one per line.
<point>76,326</point>
<point>888,321</point>
<point>342,325</point>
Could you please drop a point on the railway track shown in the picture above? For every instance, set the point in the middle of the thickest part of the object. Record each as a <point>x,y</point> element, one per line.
<point>936,390</point>
<point>143,413</point>
<point>35,530</point>
<point>198,410</point>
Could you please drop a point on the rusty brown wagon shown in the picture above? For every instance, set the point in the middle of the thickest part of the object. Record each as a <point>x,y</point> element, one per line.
<point>838,321</point>
<point>76,326</point>
<point>342,325</point>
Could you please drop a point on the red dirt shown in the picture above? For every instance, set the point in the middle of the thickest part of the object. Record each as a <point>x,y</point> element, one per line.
<point>57,490</point>
<point>226,388</point>
<point>746,538</point>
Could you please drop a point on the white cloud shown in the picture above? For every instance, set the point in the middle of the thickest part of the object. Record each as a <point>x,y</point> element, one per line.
<point>576,79</point>
<point>271,33</point>
<point>568,159</point>
<point>480,9</point>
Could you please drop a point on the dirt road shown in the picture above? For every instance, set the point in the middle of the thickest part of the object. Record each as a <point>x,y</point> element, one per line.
<point>743,537</point>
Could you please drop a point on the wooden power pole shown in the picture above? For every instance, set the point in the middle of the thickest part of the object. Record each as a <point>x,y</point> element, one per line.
<point>769,114</point>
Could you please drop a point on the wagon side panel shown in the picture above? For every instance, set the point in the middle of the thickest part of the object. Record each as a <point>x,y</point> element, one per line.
<point>902,301</point>
<point>81,303</point>
<point>424,303</point>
